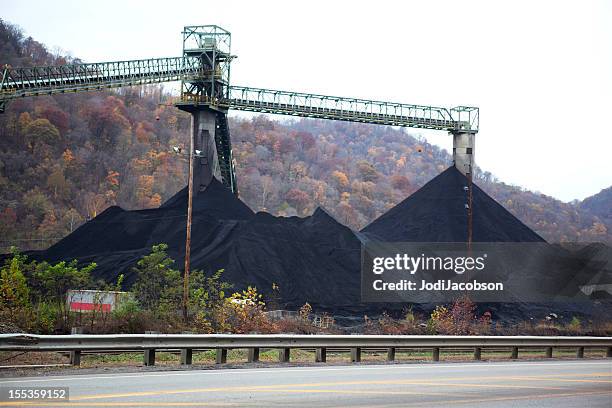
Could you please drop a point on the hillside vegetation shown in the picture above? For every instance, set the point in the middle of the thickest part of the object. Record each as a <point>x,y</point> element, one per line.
<point>64,159</point>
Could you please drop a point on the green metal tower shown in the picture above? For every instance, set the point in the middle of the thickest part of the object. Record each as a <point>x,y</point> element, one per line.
<point>210,47</point>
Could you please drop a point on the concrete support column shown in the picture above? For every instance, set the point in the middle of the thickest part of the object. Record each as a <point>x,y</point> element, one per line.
<point>463,151</point>
<point>203,131</point>
<point>391,354</point>
<point>206,167</point>
<point>321,355</point>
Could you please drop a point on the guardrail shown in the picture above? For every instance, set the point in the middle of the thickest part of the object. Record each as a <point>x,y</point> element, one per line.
<point>187,343</point>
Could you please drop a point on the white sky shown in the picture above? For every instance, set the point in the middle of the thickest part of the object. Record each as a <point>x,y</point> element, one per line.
<point>540,71</point>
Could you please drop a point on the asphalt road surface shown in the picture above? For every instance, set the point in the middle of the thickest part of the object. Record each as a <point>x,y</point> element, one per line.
<point>505,384</point>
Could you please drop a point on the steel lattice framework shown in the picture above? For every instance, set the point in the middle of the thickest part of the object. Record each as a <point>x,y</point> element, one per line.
<point>49,80</point>
<point>35,81</point>
<point>350,109</point>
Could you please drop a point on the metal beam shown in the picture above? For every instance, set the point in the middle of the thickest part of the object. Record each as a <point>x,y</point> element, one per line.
<point>351,109</point>
<point>31,342</point>
<point>57,79</point>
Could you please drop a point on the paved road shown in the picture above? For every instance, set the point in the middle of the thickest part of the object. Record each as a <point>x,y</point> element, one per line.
<point>510,384</point>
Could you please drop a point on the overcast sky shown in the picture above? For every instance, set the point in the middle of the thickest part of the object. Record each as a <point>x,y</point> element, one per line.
<point>540,71</point>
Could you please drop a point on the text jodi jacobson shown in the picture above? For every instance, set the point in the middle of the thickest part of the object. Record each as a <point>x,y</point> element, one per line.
<point>445,285</point>
<point>414,264</point>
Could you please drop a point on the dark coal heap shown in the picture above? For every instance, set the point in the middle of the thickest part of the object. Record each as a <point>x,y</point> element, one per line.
<point>217,201</point>
<point>438,213</point>
<point>313,259</point>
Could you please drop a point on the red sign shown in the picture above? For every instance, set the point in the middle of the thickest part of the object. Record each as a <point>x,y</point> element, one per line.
<point>76,306</point>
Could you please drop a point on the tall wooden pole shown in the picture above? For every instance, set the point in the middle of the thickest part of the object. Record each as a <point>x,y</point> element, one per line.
<point>189,207</point>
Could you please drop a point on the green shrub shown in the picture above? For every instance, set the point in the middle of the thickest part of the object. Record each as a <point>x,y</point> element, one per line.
<point>46,318</point>
<point>158,286</point>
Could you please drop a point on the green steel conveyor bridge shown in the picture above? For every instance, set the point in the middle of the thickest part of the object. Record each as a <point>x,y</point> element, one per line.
<point>207,94</point>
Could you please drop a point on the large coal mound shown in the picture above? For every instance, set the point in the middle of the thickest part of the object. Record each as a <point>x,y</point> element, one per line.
<point>313,259</point>
<point>437,213</point>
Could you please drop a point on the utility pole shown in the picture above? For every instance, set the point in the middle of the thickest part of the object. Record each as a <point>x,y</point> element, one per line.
<point>189,210</point>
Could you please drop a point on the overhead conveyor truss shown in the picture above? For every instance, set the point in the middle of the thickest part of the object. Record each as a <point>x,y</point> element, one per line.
<point>204,72</point>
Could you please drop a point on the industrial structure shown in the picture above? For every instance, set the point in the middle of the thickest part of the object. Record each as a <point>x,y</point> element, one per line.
<point>206,93</point>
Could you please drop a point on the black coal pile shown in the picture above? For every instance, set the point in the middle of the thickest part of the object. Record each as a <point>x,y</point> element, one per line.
<point>438,213</point>
<point>313,259</point>
<point>216,202</point>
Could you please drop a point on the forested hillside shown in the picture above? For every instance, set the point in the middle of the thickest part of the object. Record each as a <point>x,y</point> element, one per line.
<point>64,159</point>
<point>600,205</point>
